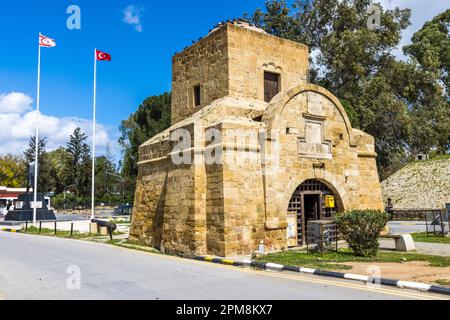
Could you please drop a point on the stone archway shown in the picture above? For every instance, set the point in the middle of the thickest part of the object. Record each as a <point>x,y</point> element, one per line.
<point>308,203</point>
<point>278,103</point>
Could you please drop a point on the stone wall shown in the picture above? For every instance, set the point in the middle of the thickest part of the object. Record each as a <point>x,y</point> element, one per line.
<point>226,208</point>
<point>149,204</point>
<point>349,170</point>
<point>205,64</point>
<point>251,53</point>
<point>231,61</point>
<point>419,185</point>
<point>243,188</point>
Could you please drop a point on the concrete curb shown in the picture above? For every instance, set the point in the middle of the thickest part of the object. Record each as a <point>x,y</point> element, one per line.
<point>10,230</point>
<point>349,276</point>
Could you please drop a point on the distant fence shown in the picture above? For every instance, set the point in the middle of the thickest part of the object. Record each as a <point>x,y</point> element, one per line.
<point>411,215</point>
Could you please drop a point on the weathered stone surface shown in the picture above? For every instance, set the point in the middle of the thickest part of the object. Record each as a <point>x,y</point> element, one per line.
<point>266,150</point>
<point>230,62</point>
<point>422,185</point>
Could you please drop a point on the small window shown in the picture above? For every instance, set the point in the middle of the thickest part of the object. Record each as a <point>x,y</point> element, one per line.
<point>197,96</point>
<point>271,85</point>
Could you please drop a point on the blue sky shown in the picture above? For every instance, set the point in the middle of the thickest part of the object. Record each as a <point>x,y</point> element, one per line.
<point>141,51</point>
<point>141,63</point>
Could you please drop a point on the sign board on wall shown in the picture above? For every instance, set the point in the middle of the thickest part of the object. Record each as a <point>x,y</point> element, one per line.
<point>292,240</point>
<point>329,202</point>
<point>38,204</point>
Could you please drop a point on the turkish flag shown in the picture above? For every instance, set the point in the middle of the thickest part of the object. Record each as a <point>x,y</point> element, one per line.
<point>103,56</point>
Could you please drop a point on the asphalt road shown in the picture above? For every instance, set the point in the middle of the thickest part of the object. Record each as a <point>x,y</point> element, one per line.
<point>407,226</point>
<point>33,267</point>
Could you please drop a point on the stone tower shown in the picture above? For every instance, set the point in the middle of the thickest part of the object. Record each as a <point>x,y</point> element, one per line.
<point>253,153</point>
<point>231,61</point>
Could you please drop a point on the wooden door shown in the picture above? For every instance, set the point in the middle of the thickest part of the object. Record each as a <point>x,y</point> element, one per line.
<point>271,85</point>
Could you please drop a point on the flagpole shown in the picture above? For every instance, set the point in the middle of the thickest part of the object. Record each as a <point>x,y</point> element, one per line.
<point>36,141</point>
<point>93,137</point>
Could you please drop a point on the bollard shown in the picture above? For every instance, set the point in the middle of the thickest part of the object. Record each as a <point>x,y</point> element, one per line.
<point>71,229</point>
<point>26,225</point>
<point>40,226</point>
<point>55,227</point>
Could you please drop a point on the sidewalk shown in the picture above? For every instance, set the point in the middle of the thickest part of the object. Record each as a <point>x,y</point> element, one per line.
<point>436,249</point>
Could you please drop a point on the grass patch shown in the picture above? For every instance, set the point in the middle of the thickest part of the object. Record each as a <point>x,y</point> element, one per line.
<point>335,260</point>
<point>59,233</point>
<point>422,237</point>
<point>443,282</point>
<point>118,222</point>
<point>62,234</point>
<point>131,245</point>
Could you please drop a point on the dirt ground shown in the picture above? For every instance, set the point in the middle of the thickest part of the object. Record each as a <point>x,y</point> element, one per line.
<point>417,271</point>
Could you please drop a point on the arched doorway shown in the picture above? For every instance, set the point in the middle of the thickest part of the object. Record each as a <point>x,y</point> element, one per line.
<point>312,200</point>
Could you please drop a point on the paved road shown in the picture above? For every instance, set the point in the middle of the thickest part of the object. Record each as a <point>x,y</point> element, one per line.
<point>33,267</point>
<point>399,227</point>
<point>79,216</point>
<point>407,226</point>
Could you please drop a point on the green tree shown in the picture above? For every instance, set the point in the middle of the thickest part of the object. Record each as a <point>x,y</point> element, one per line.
<point>44,179</point>
<point>276,20</point>
<point>152,117</point>
<point>78,163</point>
<point>430,47</point>
<point>430,100</point>
<point>12,171</point>
<point>105,178</point>
<point>57,160</point>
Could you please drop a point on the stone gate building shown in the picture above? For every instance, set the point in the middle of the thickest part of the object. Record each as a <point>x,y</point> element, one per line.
<point>286,150</point>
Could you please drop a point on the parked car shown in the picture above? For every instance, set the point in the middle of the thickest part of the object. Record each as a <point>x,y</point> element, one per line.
<point>123,210</point>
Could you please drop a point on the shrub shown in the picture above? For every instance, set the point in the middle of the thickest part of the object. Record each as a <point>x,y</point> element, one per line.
<point>361,229</point>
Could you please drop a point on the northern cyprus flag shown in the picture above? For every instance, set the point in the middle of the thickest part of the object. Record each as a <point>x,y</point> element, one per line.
<point>46,41</point>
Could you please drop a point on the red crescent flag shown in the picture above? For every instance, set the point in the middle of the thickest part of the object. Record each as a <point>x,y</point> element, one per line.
<point>46,41</point>
<point>103,56</point>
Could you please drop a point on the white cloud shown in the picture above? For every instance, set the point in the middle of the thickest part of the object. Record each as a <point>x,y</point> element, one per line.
<point>421,12</point>
<point>132,15</point>
<point>19,124</point>
<point>15,102</point>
